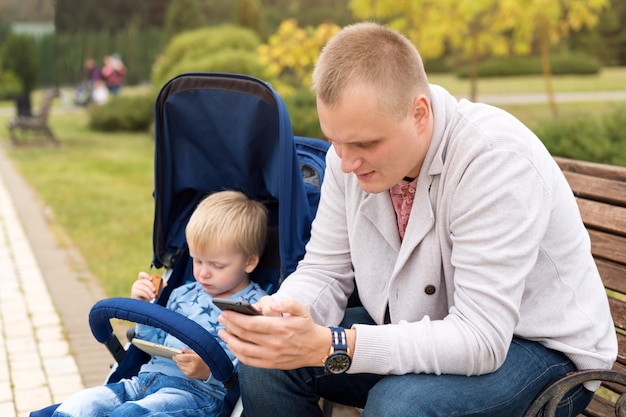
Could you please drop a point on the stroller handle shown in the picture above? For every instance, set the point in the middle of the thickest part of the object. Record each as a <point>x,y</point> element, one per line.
<point>179,326</point>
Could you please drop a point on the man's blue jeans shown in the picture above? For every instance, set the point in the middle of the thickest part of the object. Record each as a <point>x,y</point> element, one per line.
<point>528,368</point>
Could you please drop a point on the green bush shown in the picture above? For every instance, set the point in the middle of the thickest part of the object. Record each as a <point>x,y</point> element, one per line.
<point>567,63</point>
<point>123,113</point>
<point>303,113</point>
<point>228,60</point>
<point>575,63</point>
<point>590,138</point>
<point>20,55</point>
<point>224,48</point>
<point>10,85</point>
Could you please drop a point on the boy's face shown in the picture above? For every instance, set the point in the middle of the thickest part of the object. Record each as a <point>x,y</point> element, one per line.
<point>222,272</point>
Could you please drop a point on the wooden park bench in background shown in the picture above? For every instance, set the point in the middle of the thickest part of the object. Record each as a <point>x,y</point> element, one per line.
<point>37,124</point>
<point>600,191</point>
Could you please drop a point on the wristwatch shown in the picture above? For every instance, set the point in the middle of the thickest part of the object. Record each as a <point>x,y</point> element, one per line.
<point>338,360</point>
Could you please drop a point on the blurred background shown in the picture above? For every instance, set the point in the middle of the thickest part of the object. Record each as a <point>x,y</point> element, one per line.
<point>557,65</point>
<point>97,67</point>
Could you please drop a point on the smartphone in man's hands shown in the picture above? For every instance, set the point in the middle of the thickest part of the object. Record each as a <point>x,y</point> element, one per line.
<point>239,306</point>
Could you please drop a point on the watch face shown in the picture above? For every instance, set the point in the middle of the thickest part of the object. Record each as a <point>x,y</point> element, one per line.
<point>338,363</point>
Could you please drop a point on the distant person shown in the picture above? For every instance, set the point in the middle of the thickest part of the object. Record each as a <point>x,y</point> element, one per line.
<point>91,71</point>
<point>113,73</point>
<point>92,75</point>
<point>226,236</point>
<point>99,93</point>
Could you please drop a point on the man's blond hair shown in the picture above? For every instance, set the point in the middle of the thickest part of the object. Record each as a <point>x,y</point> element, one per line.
<point>228,219</point>
<point>373,56</point>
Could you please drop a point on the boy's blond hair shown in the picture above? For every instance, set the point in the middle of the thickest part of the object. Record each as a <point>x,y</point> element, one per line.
<point>228,219</point>
<point>372,56</point>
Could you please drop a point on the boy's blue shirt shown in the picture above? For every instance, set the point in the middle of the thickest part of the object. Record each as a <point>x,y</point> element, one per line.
<point>193,302</point>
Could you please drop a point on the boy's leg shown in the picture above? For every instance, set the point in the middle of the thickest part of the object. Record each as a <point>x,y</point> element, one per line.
<point>528,368</point>
<point>172,396</point>
<point>100,400</point>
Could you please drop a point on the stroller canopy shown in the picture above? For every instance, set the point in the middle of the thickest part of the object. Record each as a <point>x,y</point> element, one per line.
<point>225,131</point>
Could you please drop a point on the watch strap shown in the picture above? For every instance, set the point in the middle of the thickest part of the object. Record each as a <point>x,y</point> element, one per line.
<point>339,340</point>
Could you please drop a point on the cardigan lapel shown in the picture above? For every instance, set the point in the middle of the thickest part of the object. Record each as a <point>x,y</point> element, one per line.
<point>378,209</point>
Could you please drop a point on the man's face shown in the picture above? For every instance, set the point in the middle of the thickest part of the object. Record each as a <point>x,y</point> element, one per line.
<point>379,149</point>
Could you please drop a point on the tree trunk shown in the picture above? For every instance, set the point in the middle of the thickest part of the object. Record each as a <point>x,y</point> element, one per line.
<point>474,71</point>
<point>547,72</point>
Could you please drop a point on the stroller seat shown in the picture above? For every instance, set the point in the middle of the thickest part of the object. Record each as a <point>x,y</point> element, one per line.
<point>214,132</point>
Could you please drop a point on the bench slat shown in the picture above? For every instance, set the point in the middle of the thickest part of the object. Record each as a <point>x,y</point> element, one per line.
<point>602,216</point>
<point>616,388</point>
<point>592,168</point>
<point>597,189</point>
<point>612,275</point>
<point>618,310</point>
<point>599,407</point>
<point>621,350</point>
<point>609,247</point>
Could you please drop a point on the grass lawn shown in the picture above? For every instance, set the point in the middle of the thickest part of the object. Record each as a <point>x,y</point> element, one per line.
<point>99,185</point>
<point>99,189</point>
<point>609,79</point>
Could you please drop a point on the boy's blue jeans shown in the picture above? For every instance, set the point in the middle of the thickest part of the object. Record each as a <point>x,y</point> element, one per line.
<point>148,394</point>
<point>528,368</point>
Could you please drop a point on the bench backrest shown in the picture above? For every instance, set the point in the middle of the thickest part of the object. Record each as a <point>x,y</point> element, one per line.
<point>46,103</point>
<point>600,191</point>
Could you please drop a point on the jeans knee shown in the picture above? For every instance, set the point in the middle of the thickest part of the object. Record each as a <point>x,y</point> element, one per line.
<point>130,409</point>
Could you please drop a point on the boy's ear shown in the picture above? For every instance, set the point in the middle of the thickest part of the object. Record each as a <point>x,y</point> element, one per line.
<point>252,262</point>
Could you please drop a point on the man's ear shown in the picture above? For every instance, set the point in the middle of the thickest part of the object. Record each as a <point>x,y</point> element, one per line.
<point>251,263</point>
<point>421,112</point>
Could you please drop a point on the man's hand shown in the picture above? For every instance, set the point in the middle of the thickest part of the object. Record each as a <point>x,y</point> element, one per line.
<point>192,365</point>
<point>284,338</point>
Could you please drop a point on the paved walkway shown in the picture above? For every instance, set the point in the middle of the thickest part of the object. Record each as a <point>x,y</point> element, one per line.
<point>46,347</point>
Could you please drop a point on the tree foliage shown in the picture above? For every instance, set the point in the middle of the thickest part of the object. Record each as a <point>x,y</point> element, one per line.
<point>606,40</point>
<point>111,16</point>
<point>548,22</point>
<point>475,29</point>
<point>183,15</point>
<point>27,10</point>
<point>248,15</point>
<point>292,51</point>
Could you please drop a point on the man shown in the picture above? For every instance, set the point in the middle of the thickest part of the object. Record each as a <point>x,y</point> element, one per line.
<point>464,241</point>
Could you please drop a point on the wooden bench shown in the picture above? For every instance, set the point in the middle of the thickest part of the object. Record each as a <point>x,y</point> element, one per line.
<point>600,191</point>
<point>37,123</point>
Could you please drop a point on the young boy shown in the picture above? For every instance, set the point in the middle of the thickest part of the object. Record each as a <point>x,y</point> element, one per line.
<point>226,236</point>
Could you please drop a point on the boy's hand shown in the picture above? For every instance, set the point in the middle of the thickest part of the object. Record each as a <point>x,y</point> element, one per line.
<point>190,364</point>
<point>144,288</point>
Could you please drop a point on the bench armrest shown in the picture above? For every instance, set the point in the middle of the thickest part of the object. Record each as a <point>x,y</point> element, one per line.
<point>549,398</point>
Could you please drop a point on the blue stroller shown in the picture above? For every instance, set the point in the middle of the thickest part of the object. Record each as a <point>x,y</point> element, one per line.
<point>216,131</point>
